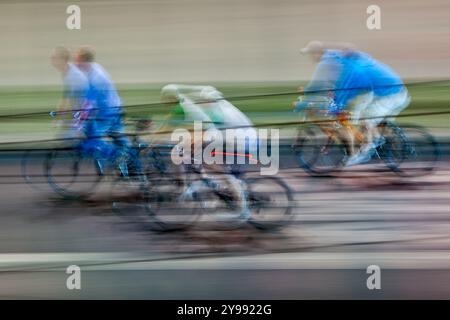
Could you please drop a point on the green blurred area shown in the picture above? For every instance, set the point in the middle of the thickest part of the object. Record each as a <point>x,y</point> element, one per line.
<point>426,97</point>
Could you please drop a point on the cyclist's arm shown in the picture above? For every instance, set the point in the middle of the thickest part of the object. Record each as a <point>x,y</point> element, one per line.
<point>319,91</point>
<point>323,79</point>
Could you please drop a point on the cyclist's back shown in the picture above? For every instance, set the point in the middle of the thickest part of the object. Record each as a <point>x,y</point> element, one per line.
<point>105,114</point>
<point>185,111</point>
<point>227,117</point>
<point>385,81</point>
<point>102,92</point>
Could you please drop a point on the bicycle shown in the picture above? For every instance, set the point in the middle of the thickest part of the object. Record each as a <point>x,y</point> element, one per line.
<point>74,170</point>
<point>222,198</point>
<point>234,199</point>
<point>322,146</point>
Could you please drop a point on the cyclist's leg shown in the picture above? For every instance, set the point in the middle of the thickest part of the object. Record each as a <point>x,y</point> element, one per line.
<point>357,108</point>
<point>125,157</point>
<point>95,131</point>
<point>388,106</point>
<point>373,115</point>
<point>397,103</point>
<point>116,131</point>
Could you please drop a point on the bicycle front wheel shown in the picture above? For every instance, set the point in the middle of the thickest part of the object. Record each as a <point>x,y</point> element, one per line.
<point>71,174</point>
<point>270,201</point>
<point>170,204</point>
<point>317,153</point>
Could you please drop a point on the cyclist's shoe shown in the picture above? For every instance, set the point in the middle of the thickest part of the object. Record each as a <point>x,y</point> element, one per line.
<point>363,156</point>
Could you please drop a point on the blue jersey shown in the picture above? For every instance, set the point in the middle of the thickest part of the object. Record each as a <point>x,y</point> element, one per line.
<point>76,86</point>
<point>359,73</point>
<point>102,93</point>
<point>326,73</point>
<point>352,81</point>
<point>384,80</point>
<point>346,75</point>
<point>323,80</point>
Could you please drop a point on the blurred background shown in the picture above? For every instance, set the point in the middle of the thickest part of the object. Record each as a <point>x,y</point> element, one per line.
<point>200,40</point>
<point>243,47</point>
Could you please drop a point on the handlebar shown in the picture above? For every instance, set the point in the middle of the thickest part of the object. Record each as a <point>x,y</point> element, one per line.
<point>75,115</point>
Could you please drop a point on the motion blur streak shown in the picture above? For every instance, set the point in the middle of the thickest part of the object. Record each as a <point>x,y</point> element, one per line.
<point>234,234</point>
<point>201,40</point>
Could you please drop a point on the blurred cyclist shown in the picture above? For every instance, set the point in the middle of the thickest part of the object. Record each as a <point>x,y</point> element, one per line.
<point>336,84</point>
<point>238,126</point>
<point>185,110</point>
<point>349,79</point>
<point>105,114</point>
<point>75,89</point>
<point>329,59</point>
<point>207,104</point>
<point>318,92</point>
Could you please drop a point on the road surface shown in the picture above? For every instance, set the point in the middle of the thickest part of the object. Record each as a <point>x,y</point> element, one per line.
<point>342,225</point>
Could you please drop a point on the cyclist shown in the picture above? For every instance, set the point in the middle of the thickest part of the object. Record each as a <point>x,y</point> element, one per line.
<point>105,114</point>
<point>207,104</point>
<point>75,88</point>
<point>226,116</point>
<point>317,92</point>
<point>356,82</point>
<point>337,82</point>
<point>185,110</point>
<point>204,103</point>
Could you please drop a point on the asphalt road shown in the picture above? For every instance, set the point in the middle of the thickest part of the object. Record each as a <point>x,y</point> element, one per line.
<point>342,225</point>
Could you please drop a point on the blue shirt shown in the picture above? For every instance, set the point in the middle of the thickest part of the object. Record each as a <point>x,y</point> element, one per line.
<point>76,86</point>
<point>384,80</point>
<point>352,81</point>
<point>326,73</point>
<point>102,93</point>
<point>347,75</point>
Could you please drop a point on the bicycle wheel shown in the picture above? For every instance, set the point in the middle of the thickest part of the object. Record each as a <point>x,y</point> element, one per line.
<point>161,171</point>
<point>72,175</point>
<point>317,153</point>
<point>223,198</point>
<point>409,150</point>
<point>171,204</point>
<point>129,199</point>
<point>270,202</point>
<point>33,168</point>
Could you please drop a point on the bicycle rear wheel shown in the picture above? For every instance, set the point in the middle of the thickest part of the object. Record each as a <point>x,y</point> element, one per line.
<point>223,198</point>
<point>71,174</point>
<point>171,206</point>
